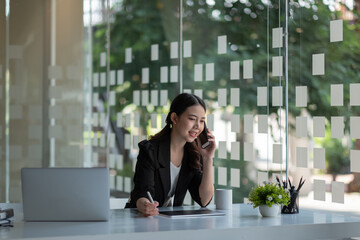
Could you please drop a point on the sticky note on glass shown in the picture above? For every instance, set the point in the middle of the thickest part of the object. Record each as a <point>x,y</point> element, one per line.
<point>337,95</point>
<point>164,72</point>
<point>319,189</point>
<point>120,77</point>
<point>318,64</point>
<point>136,97</point>
<point>153,120</point>
<point>354,94</point>
<point>262,96</point>
<point>277,37</point>
<point>354,160</point>
<point>262,177</point>
<point>154,52</point>
<point>319,158</point>
<point>337,190</point>
<point>355,127</point>
<point>210,122</point>
<point>301,126</point>
<point>119,183</point>
<point>127,120</point>
<point>163,120</point>
<point>136,119</point>
<point>112,98</point>
<point>337,127</point>
<point>145,75</point>
<point>144,98</point>
<point>222,42</point>
<point>119,119</point>
<point>112,77</point>
<point>103,79</point>
<point>262,124</point>
<point>128,55</point>
<point>187,91</point>
<point>319,126</point>
<point>198,92</point>
<point>209,72</point>
<point>174,50</point>
<point>222,150</point>
<point>120,162</point>
<point>112,143</point>
<point>198,69</point>
<point>154,97</point>
<point>222,176</point>
<point>235,97</point>
<point>277,96</point>
<point>248,151</point>
<point>187,49</point>
<point>248,123</point>
<point>127,141</point>
<point>103,59</point>
<point>163,97</point>
<point>235,151</point>
<point>248,69</point>
<point>54,72</point>
<point>336,31</point>
<point>235,123</point>
<point>277,66</point>
<point>222,96</point>
<point>301,157</point>
<point>174,74</point>
<point>235,177</point>
<point>234,70</point>
<point>127,184</point>
<point>135,142</point>
<point>102,119</point>
<point>301,96</point>
<point>95,99</point>
<point>102,140</point>
<point>277,153</point>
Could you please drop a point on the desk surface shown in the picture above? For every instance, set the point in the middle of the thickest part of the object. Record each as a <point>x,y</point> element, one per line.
<point>242,222</point>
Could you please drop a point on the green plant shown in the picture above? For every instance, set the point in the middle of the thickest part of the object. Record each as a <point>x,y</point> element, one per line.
<point>268,194</point>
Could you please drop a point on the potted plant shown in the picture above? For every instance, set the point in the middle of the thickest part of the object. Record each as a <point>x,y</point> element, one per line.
<point>269,198</point>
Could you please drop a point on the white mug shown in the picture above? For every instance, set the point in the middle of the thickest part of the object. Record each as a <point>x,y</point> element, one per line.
<point>223,199</point>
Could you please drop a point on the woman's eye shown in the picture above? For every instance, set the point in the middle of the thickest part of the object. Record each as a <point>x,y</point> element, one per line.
<point>192,119</point>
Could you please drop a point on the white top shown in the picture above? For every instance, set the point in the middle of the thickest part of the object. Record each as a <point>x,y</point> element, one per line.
<point>174,176</point>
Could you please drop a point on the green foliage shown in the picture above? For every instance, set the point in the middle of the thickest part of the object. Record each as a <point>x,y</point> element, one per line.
<point>268,194</point>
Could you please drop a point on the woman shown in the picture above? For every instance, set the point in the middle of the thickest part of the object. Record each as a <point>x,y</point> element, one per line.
<point>172,161</point>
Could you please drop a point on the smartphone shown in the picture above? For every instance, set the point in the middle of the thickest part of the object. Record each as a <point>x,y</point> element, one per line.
<point>203,137</point>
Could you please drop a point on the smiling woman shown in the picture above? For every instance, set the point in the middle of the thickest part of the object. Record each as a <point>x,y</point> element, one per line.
<point>172,161</point>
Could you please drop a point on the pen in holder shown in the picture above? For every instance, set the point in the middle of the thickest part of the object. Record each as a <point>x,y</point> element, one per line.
<point>293,206</point>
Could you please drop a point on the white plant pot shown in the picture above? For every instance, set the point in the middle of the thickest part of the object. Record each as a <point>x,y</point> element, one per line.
<point>266,211</point>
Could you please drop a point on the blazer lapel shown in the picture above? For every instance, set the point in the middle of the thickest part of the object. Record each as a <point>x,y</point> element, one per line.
<point>164,162</point>
<point>183,178</point>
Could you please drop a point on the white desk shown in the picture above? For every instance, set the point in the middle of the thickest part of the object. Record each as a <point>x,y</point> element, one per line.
<point>243,222</point>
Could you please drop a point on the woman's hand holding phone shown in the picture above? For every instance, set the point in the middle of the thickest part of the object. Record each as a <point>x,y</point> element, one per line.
<point>209,150</point>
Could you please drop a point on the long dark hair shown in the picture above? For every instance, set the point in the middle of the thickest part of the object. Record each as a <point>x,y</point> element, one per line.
<point>179,105</point>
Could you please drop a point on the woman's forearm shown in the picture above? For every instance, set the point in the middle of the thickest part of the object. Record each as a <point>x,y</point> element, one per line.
<point>206,188</point>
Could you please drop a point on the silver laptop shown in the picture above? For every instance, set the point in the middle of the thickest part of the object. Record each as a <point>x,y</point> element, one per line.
<point>65,194</point>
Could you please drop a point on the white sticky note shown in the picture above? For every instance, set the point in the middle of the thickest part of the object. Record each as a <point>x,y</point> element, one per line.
<point>222,44</point>
<point>163,97</point>
<point>319,126</point>
<point>301,157</point>
<point>112,98</point>
<point>337,95</point>
<point>95,99</point>
<point>337,190</point>
<point>234,70</point>
<point>55,132</point>
<point>127,184</point>
<point>102,119</point>
<point>112,77</point>
<point>128,55</point>
<point>262,96</point>
<point>174,74</point>
<point>235,177</point>
<point>16,111</point>
<point>262,177</point>
<point>145,75</point>
<point>354,94</point>
<point>136,97</point>
<point>112,182</point>
<point>337,127</point>
<point>354,160</point>
<point>198,92</point>
<point>319,189</point>
<point>277,37</point>
<point>277,153</point>
<point>187,91</point>
<point>235,97</point>
<point>164,73</point>
<point>54,92</point>
<point>154,52</point>
<point>277,96</point>
<point>187,49</point>
<point>210,122</point>
<point>95,119</point>
<point>277,66</point>
<point>54,72</point>
<point>355,127</point>
<point>248,69</point>
<point>222,96</point>
<point>136,119</point>
<point>319,158</point>
<point>95,140</point>
<point>163,120</point>
<point>127,120</point>
<point>235,151</point>
<point>119,119</point>
<point>120,162</point>
<point>209,72</point>
<point>248,123</point>
<point>56,111</point>
<point>120,77</point>
<point>154,97</point>
<point>34,132</point>
<point>119,183</point>
<point>222,150</point>
<point>15,52</point>
<point>198,69</point>
<point>127,141</point>
<point>248,151</point>
<point>111,160</point>
<point>235,123</point>
<point>174,50</point>
<point>153,120</point>
<point>103,59</point>
<point>301,126</point>
<point>222,176</point>
<point>135,142</point>
<point>301,96</point>
<point>35,111</point>
<point>336,30</point>
<point>103,79</point>
<point>262,124</point>
<point>318,64</point>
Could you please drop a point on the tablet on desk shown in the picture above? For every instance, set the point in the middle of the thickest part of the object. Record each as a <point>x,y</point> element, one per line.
<point>190,213</point>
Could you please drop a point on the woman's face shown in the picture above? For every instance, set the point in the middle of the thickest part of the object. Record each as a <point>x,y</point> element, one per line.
<point>190,123</point>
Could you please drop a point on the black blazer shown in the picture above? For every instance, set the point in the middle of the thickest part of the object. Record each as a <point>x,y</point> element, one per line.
<point>152,173</point>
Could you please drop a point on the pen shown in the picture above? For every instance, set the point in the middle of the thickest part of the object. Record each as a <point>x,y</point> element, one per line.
<point>150,197</point>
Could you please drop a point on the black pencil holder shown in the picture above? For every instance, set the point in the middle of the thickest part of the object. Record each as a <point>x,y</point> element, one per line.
<point>293,206</point>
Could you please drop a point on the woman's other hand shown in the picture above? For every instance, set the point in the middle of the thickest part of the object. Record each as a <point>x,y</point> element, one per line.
<point>146,207</point>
